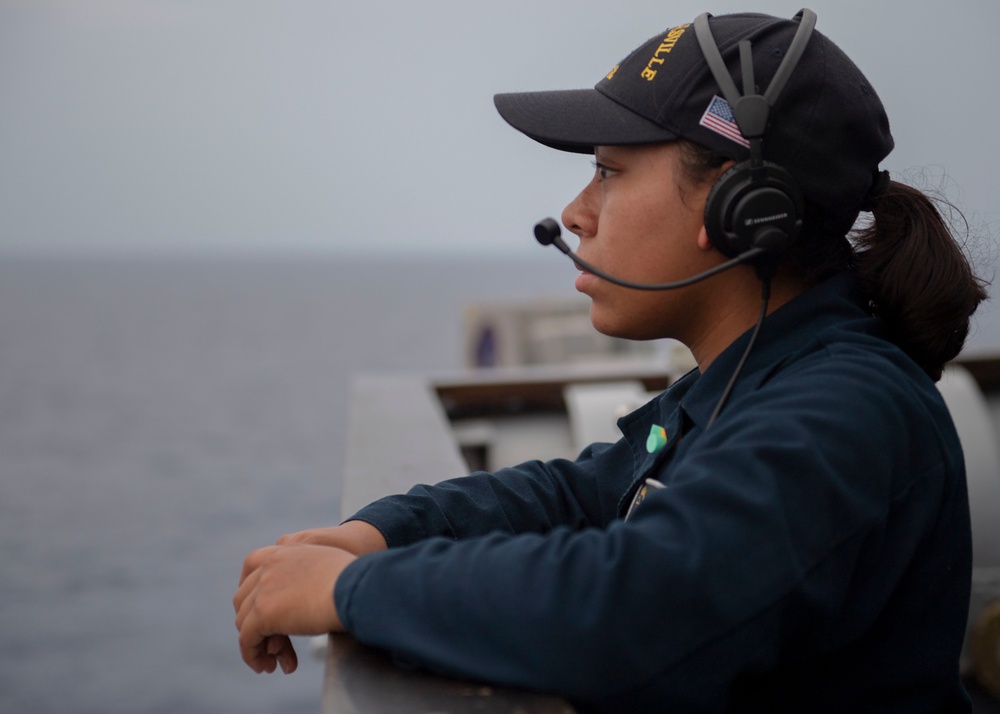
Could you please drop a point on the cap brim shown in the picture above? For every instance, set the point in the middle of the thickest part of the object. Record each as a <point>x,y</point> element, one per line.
<point>577,120</point>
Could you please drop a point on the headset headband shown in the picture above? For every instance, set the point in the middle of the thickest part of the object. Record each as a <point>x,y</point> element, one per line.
<point>751,109</point>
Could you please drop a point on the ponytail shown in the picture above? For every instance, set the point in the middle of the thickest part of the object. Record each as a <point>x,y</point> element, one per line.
<point>916,276</point>
<point>908,263</point>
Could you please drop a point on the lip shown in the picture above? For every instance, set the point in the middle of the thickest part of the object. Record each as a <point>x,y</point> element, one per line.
<point>584,280</point>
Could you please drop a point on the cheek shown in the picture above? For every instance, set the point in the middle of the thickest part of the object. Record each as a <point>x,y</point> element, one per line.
<point>652,249</point>
<point>653,221</point>
<point>635,236</point>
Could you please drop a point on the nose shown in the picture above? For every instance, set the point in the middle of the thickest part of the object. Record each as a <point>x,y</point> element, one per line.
<point>580,215</point>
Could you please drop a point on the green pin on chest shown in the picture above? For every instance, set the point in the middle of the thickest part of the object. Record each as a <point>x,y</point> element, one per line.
<point>657,439</point>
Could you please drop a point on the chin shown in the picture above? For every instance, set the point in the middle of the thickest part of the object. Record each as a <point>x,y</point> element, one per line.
<point>618,328</point>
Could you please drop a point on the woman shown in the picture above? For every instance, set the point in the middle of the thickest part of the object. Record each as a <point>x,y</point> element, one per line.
<point>786,528</point>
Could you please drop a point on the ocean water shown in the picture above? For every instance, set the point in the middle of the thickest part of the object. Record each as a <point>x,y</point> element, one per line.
<point>161,418</point>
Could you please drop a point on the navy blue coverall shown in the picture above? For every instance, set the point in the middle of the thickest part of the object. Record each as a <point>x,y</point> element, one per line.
<point>810,552</point>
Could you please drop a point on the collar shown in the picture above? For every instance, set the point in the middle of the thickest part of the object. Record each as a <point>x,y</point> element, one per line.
<point>798,326</point>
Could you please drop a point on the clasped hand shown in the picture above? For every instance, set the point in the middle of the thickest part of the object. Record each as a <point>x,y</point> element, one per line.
<point>287,589</point>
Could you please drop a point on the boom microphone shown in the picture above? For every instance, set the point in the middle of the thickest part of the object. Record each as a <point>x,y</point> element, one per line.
<point>547,232</point>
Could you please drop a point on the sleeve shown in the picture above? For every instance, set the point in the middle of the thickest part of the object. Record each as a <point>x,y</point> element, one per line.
<point>533,497</point>
<point>750,549</point>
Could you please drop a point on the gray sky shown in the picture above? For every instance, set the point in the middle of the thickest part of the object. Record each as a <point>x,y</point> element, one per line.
<point>142,126</point>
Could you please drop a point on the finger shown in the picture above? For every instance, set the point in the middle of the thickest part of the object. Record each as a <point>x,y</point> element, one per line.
<point>273,644</point>
<point>280,646</point>
<point>253,561</point>
<point>264,652</point>
<point>289,538</point>
<point>253,640</point>
<point>270,652</point>
<point>313,536</point>
<point>246,587</point>
<point>253,650</point>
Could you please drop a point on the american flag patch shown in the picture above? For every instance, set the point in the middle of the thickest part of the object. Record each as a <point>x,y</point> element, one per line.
<point>719,117</point>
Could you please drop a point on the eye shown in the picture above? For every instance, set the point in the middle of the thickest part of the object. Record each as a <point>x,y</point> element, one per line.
<point>603,172</point>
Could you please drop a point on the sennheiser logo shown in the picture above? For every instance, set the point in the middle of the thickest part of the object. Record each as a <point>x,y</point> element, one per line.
<point>765,219</point>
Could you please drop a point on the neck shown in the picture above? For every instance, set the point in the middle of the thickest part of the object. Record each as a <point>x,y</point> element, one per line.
<point>736,311</point>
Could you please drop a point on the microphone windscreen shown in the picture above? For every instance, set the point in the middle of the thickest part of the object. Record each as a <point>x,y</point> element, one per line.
<point>547,231</point>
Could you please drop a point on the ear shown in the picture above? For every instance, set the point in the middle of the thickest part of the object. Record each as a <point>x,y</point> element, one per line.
<point>704,242</point>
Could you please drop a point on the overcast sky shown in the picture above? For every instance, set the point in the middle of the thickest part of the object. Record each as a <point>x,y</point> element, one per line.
<point>179,126</point>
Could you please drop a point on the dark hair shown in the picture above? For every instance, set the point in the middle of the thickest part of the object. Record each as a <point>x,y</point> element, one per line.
<point>908,263</point>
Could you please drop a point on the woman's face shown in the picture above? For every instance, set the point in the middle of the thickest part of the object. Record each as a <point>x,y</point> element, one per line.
<point>635,221</point>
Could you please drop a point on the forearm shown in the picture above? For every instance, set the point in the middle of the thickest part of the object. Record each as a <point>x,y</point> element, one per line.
<point>530,611</point>
<point>533,497</point>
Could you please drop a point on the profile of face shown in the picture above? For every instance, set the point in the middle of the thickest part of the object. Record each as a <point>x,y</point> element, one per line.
<point>639,218</point>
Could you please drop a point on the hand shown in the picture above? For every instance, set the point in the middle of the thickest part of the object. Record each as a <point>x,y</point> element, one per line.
<point>286,590</point>
<point>355,537</point>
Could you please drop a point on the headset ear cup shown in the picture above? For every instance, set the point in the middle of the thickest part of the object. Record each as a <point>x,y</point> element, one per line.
<point>716,208</point>
<point>753,209</point>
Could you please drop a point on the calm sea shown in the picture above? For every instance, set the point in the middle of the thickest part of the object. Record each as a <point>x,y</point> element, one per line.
<point>158,420</point>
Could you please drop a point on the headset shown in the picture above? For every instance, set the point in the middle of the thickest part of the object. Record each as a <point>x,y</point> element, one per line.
<point>756,203</point>
<point>753,212</point>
